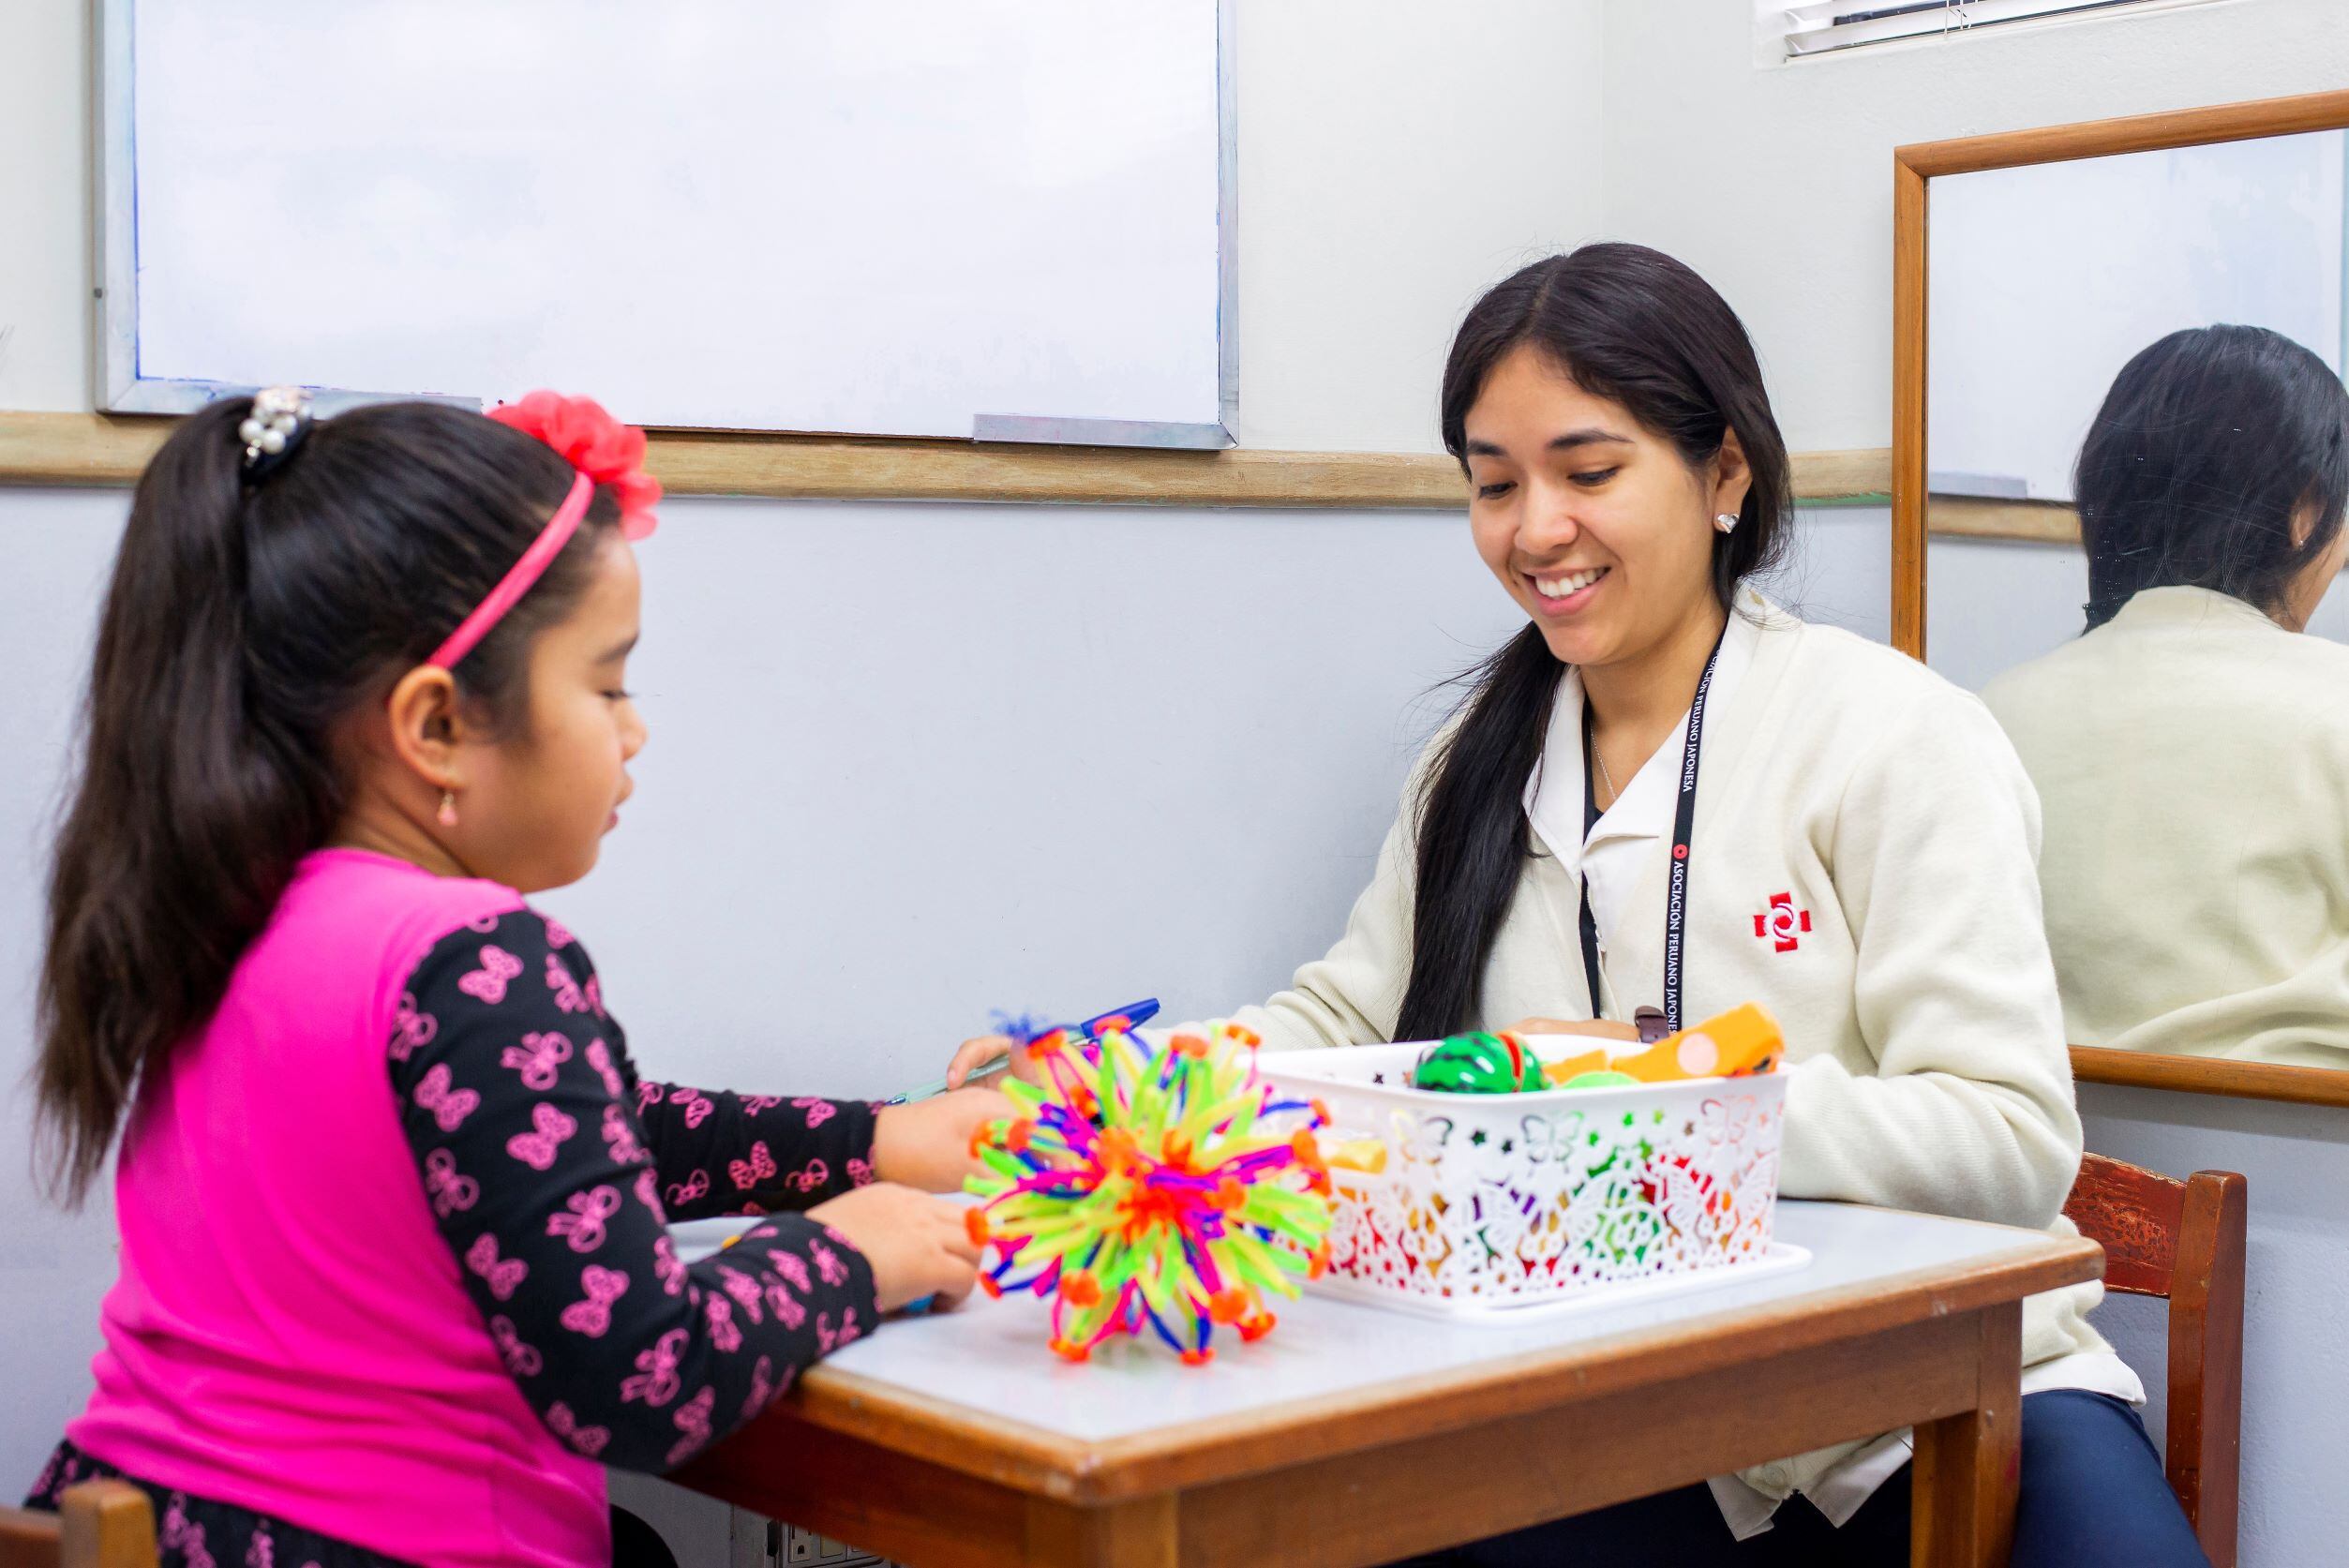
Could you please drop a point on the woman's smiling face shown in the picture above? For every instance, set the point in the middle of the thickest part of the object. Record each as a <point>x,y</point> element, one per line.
<point>1596,525</point>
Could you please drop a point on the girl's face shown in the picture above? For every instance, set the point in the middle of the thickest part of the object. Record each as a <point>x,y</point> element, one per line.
<point>1596,525</point>
<point>540,797</point>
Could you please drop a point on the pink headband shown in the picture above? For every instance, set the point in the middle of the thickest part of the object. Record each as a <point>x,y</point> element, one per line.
<point>604,452</point>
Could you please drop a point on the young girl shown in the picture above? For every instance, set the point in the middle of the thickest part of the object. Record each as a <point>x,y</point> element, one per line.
<point>1665,796</point>
<point>395,1279</point>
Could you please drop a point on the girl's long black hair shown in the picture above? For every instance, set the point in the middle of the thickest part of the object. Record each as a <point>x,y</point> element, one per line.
<point>1637,327</point>
<point>245,622</point>
<point>2210,445</point>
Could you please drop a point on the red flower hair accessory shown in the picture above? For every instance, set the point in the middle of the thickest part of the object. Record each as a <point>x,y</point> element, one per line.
<point>599,446</point>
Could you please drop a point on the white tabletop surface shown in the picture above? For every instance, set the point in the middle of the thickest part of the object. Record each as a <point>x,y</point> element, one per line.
<point>992,1357</point>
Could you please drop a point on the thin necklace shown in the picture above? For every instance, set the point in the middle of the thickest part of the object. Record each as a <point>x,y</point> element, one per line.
<point>1604,776</point>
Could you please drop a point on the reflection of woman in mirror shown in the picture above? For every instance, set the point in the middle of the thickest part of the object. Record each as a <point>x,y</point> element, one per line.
<point>2192,750</point>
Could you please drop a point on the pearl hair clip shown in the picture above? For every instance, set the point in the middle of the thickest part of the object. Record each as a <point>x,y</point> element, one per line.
<point>279,420</point>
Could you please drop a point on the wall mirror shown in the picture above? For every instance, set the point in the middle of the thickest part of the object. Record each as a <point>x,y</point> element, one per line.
<point>2120,465</point>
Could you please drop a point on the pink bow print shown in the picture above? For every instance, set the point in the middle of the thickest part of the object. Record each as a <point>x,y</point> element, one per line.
<point>648,1193</point>
<point>694,1103</point>
<point>520,1360</point>
<point>595,995</point>
<point>648,1096</point>
<point>788,1265</point>
<point>537,1149</point>
<point>693,1419</point>
<point>449,1106</point>
<point>592,1315</point>
<point>488,982</point>
<point>749,1174</point>
<point>568,997</point>
<point>827,1263</point>
<point>451,1192</point>
<point>599,1056</point>
<point>503,1276</point>
<point>816,1175</point>
<point>620,1136</point>
<point>693,1187</point>
<point>723,1333</point>
<point>819,1111</point>
<point>558,934</point>
<point>178,1533</point>
<point>744,1289</point>
<point>410,1030</point>
<point>762,1387</point>
<point>756,1104</point>
<point>656,1382</point>
<point>667,1267</point>
<point>789,1313</point>
<point>584,1224</point>
<point>536,1058</point>
<point>859,1173</point>
<point>588,1440</point>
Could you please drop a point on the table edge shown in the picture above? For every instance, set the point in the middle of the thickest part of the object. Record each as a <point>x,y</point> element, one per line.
<point>1033,1460</point>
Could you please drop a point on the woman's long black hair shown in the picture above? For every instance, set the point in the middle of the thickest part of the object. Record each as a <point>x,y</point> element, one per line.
<point>1637,327</point>
<point>245,622</point>
<point>2210,445</point>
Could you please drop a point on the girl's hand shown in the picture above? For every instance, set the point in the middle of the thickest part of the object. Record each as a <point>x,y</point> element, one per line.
<point>977,1053</point>
<point>1598,1028</point>
<point>927,1143</point>
<point>918,1246</point>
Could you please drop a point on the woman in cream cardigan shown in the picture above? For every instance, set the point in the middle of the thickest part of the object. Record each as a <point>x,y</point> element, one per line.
<point>1861,861</point>
<point>2192,750</point>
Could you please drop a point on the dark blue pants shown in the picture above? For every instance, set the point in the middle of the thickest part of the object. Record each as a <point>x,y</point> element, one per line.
<point>2093,1496</point>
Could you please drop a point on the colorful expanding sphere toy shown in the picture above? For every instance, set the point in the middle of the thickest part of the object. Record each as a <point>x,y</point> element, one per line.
<point>1168,1186</point>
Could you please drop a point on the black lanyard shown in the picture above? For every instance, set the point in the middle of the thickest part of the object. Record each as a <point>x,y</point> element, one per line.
<point>1684,827</point>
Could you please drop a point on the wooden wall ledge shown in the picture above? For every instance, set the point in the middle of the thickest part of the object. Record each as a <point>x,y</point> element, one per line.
<point>98,449</point>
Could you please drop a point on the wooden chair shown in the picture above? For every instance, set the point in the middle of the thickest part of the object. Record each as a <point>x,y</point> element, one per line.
<point>103,1524</point>
<point>2183,1241</point>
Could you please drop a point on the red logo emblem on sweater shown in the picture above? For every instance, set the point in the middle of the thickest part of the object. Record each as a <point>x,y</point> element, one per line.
<point>1780,925</point>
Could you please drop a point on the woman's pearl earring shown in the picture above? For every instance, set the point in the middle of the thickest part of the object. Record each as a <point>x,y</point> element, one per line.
<point>446,815</point>
<point>1725,521</point>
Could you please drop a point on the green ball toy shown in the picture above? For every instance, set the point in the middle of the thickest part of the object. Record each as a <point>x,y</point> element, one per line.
<point>1479,1063</point>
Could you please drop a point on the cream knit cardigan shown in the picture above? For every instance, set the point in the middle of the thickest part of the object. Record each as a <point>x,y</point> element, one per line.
<point>1929,1069</point>
<point>2193,760</point>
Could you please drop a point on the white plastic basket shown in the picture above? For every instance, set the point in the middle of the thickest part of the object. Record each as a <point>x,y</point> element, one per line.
<point>1514,1201</point>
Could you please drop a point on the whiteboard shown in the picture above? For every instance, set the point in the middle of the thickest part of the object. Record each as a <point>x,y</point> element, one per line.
<point>1000,218</point>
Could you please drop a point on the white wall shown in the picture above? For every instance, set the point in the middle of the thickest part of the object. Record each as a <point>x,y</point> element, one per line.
<point>1776,183</point>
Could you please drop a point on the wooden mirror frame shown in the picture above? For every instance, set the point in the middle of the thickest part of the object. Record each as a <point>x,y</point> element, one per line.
<point>1915,165</point>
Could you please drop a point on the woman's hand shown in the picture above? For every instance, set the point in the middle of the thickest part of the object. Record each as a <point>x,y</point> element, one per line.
<point>986,1050</point>
<point>918,1246</point>
<point>1597,1028</point>
<point>927,1143</point>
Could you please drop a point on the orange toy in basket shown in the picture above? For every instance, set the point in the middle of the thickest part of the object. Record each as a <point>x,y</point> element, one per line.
<point>1738,1044</point>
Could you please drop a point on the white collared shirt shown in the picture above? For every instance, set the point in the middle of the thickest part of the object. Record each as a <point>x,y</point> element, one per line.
<point>1609,861</point>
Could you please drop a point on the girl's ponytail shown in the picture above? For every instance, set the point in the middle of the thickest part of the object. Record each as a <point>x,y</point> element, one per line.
<point>245,621</point>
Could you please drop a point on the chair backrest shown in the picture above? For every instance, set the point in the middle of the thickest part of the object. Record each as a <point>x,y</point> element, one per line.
<point>2183,1240</point>
<point>99,1524</point>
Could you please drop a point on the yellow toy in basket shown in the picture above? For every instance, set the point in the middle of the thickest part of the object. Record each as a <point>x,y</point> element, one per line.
<point>1738,1044</point>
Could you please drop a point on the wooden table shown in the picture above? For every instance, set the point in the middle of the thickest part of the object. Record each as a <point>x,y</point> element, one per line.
<point>1355,1435</point>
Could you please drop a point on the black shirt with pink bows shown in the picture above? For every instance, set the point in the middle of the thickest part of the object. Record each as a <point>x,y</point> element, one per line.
<point>553,1172</point>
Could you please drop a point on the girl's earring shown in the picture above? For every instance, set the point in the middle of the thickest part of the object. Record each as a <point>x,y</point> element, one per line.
<point>1725,521</point>
<point>446,816</point>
